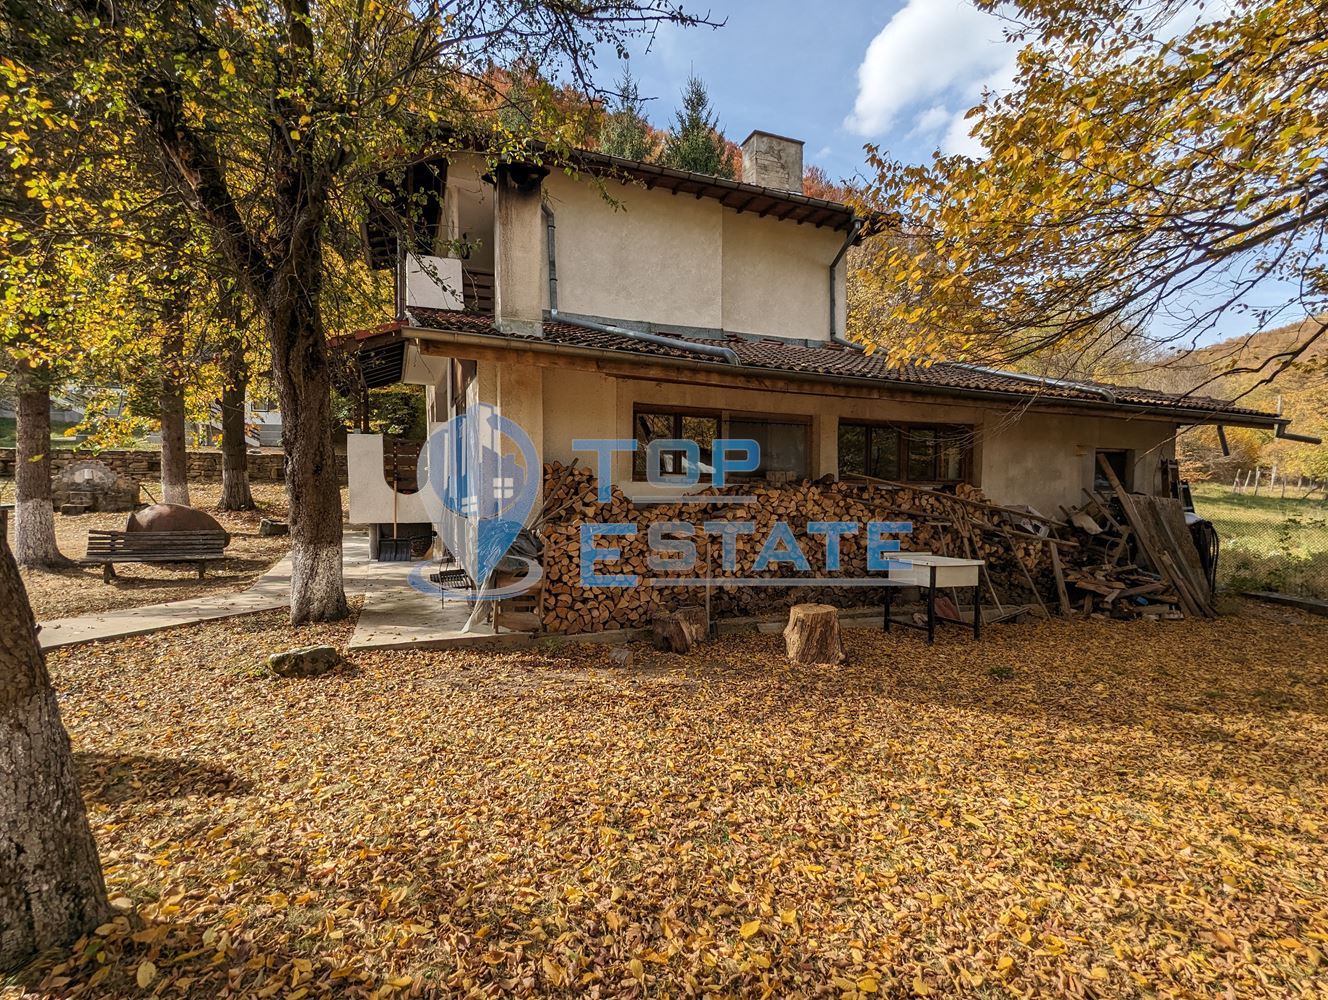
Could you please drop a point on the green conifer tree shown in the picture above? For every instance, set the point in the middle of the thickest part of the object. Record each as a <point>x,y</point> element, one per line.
<point>696,143</point>
<point>625,131</point>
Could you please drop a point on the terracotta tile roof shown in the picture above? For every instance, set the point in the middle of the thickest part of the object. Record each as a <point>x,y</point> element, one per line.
<point>833,361</point>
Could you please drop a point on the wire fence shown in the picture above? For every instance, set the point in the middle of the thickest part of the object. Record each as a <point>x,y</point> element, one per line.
<point>1273,539</point>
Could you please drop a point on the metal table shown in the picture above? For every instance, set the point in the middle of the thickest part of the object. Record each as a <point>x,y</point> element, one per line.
<point>930,572</point>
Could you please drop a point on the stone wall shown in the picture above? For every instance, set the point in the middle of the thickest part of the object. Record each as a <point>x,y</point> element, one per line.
<point>265,466</point>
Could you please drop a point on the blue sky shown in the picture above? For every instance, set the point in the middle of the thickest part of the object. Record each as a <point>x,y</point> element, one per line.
<point>841,73</point>
<point>836,74</point>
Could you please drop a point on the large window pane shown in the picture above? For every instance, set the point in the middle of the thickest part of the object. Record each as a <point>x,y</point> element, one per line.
<point>783,444</point>
<point>704,430</point>
<point>884,456</point>
<point>953,445</point>
<point>921,454</point>
<point>657,425</point>
<point>907,453</point>
<point>852,449</point>
<point>652,427</point>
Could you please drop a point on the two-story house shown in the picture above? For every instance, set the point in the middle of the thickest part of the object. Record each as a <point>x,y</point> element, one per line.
<point>630,300</point>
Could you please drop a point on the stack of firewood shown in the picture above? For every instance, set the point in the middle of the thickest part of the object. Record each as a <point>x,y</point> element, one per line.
<point>962,524</point>
<point>1119,558</point>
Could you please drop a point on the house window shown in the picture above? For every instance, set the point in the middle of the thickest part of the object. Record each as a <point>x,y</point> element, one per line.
<point>783,443</point>
<point>913,453</point>
<point>656,424</point>
<point>1121,462</point>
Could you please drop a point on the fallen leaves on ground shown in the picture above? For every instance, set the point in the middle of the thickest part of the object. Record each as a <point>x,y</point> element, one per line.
<point>79,590</point>
<point>1082,809</point>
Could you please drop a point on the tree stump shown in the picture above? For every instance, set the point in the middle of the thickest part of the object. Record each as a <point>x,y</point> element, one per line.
<point>812,634</point>
<point>678,631</point>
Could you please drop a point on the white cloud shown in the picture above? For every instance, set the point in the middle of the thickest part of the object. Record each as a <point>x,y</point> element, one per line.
<point>958,141</point>
<point>932,120</point>
<point>932,56</point>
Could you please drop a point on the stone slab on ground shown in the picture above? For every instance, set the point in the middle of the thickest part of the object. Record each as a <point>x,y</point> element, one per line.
<point>1311,604</point>
<point>269,592</point>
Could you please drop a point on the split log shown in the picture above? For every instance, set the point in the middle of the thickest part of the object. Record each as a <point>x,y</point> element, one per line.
<point>1061,595</point>
<point>812,634</point>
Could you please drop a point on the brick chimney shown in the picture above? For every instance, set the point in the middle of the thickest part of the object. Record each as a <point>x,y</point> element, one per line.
<point>772,161</point>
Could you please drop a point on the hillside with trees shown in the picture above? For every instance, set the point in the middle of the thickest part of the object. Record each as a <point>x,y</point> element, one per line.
<point>1240,368</point>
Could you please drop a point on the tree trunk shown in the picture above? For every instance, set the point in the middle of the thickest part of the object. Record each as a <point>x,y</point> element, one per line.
<point>678,631</point>
<point>51,887</point>
<point>174,462</point>
<point>34,517</point>
<point>304,382</point>
<point>235,494</point>
<point>286,283</point>
<point>812,634</point>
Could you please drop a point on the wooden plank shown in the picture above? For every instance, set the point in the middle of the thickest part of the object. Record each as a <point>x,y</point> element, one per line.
<point>1168,524</point>
<point>1171,518</point>
<point>1014,554</point>
<point>1187,596</point>
<point>1150,545</point>
<point>1311,604</point>
<point>1061,594</point>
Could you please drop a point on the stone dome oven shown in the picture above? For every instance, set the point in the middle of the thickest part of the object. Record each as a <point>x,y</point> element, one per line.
<point>89,485</point>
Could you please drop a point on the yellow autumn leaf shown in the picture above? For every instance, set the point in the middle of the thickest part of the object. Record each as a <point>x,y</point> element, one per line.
<point>145,974</point>
<point>553,970</point>
<point>750,928</point>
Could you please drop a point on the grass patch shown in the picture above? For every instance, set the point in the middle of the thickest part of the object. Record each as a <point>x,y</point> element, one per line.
<point>1268,542</point>
<point>8,426</point>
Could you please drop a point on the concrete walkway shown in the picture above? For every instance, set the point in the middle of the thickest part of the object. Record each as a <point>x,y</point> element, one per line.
<point>269,592</point>
<point>397,616</point>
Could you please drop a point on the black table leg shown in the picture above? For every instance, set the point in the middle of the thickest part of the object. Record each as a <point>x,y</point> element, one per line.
<point>889,608</point>
<point>977,612</point>
<point>931,607</point>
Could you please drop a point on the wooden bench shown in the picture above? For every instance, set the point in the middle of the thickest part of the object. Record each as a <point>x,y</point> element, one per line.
<point>106,548</point>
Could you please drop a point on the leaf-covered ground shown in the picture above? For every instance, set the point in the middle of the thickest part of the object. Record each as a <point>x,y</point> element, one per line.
<point>1088,809</point>
<point>79,590</point>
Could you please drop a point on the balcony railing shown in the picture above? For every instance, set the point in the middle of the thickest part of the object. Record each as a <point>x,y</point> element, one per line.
<point>477,290</point>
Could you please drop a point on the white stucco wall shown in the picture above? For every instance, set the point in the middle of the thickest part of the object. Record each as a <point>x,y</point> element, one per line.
<point>654,257</point>
<point>1020,457</point>
<point>678,260</point>
<point>371,500</point>
<point>777,278</point>
<point>1046,460</point>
